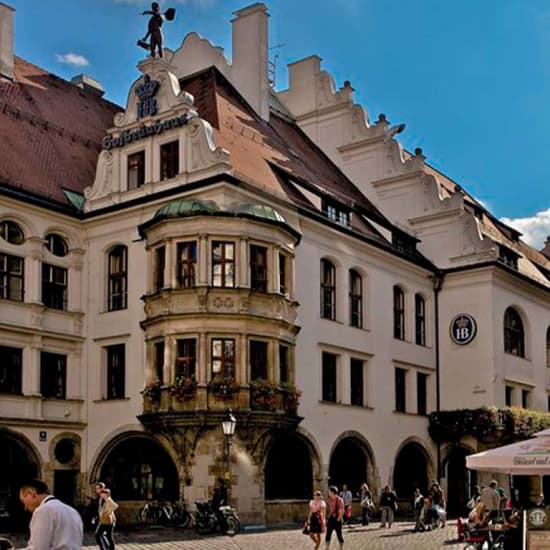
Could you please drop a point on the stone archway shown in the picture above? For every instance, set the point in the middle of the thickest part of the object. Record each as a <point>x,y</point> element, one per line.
<point>351,463</point>
<point>288,471</point>
<point>137,467</point>
<point>411,470</point>
<point>19,462</point>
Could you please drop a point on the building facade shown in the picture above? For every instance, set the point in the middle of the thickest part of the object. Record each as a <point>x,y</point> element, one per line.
<point>217,245</point>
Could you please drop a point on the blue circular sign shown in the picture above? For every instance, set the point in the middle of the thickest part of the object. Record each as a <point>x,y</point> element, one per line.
<point>463,329</point>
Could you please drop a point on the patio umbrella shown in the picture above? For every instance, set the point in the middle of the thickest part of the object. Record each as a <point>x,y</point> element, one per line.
<point>529,457</point>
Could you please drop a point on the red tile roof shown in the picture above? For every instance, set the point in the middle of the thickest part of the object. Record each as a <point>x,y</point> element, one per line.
<point>50,132</point>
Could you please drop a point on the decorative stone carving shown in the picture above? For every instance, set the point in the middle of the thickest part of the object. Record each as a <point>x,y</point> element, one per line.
<point>223,302</point>
<point>103,180</point>
<point>202,149</point>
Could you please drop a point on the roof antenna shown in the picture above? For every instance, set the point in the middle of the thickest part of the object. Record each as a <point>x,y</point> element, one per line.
<point>272,66</point>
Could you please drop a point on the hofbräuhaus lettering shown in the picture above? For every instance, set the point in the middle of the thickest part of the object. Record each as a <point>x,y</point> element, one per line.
<point>145,130</point>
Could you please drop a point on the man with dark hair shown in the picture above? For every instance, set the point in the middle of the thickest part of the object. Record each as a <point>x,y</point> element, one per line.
<point>53,524</point>
<point>335,514</point>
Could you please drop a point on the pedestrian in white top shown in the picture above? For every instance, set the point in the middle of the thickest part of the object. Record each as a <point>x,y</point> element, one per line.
<point>347,497</point>
<point>54,525</point>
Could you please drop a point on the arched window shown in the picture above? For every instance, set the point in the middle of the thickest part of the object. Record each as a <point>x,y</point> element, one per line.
<point>328,290</point>
<point>420,320</point>
<point>118,278</point>
<point>398,313</point>
<point>355,299</point>
<point>548,347</point>
<point>514,339</point>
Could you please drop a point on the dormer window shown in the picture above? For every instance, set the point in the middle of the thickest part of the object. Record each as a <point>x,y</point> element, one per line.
<point>508,257</point>
<point>403,243</point>
<point>169,160</point>
<point>336,213</point>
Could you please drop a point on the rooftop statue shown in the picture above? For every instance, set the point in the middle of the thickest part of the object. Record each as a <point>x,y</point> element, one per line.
<point>154,30</point>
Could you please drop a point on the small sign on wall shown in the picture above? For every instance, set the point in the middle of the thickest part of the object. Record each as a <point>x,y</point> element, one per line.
<point>43,435</point>
<point>463,329</point>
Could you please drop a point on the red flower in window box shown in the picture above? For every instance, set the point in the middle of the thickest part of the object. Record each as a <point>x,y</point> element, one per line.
<point>184,389</point>
<point>152,390</point>
<point>223,387</point>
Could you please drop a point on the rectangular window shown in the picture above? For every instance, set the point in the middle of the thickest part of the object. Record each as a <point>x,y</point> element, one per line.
<point>525,395</point>
<point>258,268</point>
<point>169,160</point>
<point>116,371</point>
<point>118,278</point>
<point>136,170</point>
<point>355,299</point>
<point>329,376</point>
<point>357,382</point>
<point>54,286</point>
<point>186,264</point>
<point>420,320</point>
<point>328,290</point>
<point>508,395</point>
<point>223,264</point>
<point>10,370</point>
<point>258,360</point>
<point>186,361</point>
<point>11,277</point>
<point>223,358</point>
<point>283,285</point>
<point>160,266</point>
<point>398,313</point>
<point>284,364</point>
<point>421,393</point>
<point>159,361</point>
<point>53,375</point>
<point>400,390</point>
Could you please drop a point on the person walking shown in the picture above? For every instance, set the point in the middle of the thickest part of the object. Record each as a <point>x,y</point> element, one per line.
<point>418,504</point>
<point>53,524</point>
<point>367,503</point>
<point>107,520</point>
<point>388,506</point>
<point>491,499</point>
<point>335,514</point>
<point>316,519</point>
<point>347,497</point>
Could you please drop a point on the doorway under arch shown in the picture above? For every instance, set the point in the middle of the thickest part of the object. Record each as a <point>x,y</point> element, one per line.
<point>288,469</point>
<point>139,468</point>
<point>18,464</point>
<point>460,480</point>
<point>410,471</point>
<point>349,464</point>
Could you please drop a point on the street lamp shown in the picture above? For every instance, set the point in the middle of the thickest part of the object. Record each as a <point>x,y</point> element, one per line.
<point>229,423</point>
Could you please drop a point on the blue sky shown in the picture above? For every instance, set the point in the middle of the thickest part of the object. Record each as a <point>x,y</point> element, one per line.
<point>471,79</point>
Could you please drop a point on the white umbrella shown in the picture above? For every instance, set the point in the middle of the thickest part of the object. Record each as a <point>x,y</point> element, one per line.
<point>529,457</point>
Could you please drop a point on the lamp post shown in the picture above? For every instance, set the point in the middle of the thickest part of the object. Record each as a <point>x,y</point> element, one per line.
<point>229,423</point>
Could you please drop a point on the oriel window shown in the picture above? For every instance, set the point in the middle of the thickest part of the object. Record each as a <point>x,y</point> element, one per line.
<point>223,358</point>
<point>283,274</point>
<point>169,160</point>
<point>159,361</point>
<point>223,264</point>
<point>258,268</point>
<point>116,371</point>
<point>328,290</point>
<point>160,266</point>
<point>186,361</point>
<point>118,278</point>
<point>53,375</point>
<point>284,364</point>
<point>258,360</point>
<point>136,170</point>
<point>398,313</point>
<point>11,277</point>
<point>186,264</point>
<point>54,286</point>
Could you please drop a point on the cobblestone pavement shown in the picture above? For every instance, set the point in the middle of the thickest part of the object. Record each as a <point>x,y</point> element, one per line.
<point>356,538</point>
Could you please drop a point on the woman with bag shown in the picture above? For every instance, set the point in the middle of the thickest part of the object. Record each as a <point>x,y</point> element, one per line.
<point>316,519</point>
<point>367,504</point>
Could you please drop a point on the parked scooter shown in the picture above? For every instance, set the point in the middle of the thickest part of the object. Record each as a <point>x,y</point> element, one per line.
<point>226,520</point>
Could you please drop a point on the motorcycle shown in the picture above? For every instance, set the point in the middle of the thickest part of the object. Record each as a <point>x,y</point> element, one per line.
<point>225,520</point>
<point>5,544</point>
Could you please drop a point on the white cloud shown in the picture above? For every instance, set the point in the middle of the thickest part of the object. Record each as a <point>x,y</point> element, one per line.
<point>74,59</point>
<point>535,229</point>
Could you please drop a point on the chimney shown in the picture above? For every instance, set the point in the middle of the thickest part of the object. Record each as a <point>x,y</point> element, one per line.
<point>89,84</point>
<point>546,249</point>
<point>6,41</point>
<point>250,51</point>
